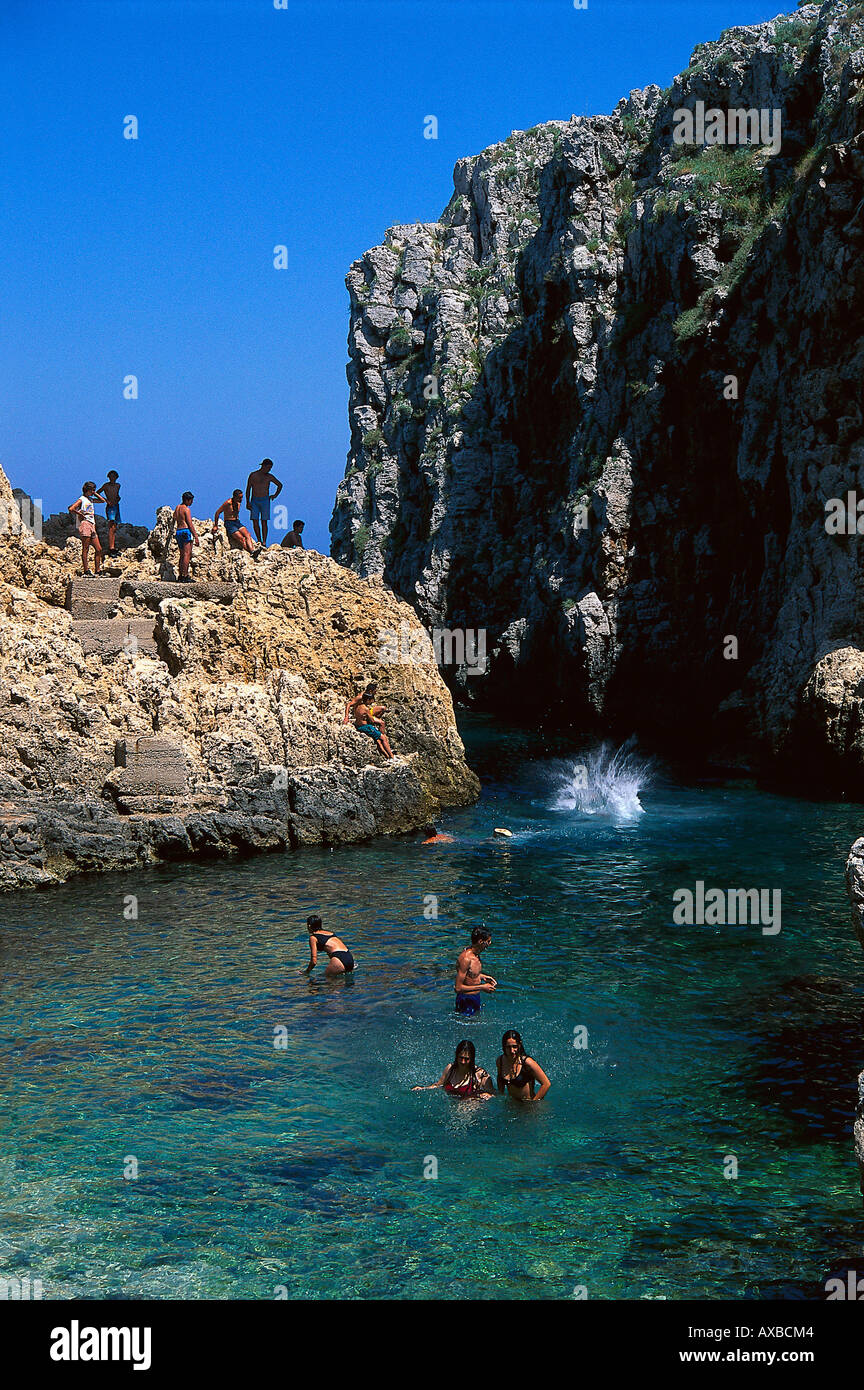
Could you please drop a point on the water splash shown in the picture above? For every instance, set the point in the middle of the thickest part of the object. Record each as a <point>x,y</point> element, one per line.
<point>605,781</point>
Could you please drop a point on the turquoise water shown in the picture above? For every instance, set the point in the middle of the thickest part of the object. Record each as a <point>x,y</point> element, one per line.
<point>299,1170</point>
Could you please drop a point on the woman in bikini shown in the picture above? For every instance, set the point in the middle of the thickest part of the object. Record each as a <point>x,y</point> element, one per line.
<point>518,1073</point>
<point>462,1077</point>
<point>341,961</point>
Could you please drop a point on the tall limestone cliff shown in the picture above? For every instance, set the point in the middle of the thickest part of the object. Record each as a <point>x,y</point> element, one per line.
<point>598,409</point>
<point>143,720</point>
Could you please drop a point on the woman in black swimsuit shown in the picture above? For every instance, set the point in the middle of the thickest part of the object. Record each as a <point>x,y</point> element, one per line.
<point>341,961</point>
<point>517,1072</point>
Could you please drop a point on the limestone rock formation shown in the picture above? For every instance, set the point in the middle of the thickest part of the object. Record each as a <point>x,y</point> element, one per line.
<point>144,720</point>
<point>599,408</point>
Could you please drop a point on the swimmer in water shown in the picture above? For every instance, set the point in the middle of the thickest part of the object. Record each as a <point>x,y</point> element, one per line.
<point>341,961</point>
<point>434,836</point>
<point>462,1077</point>
<point>518,1073</point>
<point>470,983</point>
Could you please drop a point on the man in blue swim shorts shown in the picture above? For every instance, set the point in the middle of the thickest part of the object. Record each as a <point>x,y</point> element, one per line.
<point>259,497</point>
<point>184,534</point>
<point>470,982</point>
<point>238,536</point>
<point>365,724</point>
<point>111,492</point>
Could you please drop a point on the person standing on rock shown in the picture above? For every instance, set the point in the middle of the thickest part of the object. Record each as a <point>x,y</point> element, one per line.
<point>238,536</point>
<point>85,516</point>
<point>470,982</point>
<point>184,534</point>
<point>259,497</point>
<point>111,492</point>
<point>294,537</point>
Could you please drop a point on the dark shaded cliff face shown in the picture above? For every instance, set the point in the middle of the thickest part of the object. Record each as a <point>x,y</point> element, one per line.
<point>589,486</point>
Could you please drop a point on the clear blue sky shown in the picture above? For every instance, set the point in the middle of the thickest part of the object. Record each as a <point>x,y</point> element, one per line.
<point>257,127</point>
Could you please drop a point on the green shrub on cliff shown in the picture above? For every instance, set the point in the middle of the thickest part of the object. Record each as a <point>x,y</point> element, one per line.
<point>361,540</point>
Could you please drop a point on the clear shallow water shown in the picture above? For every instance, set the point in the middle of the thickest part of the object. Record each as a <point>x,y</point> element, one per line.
<point>303,1168</point>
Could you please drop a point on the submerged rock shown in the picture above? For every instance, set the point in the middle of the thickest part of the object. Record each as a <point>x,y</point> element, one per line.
<point>144,720</point>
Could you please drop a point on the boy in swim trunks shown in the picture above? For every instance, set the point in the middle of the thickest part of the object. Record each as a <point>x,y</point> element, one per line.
<point>184,534</point>
<point>469,980</point>
<point>85,516</point>
<point>259,497</point>
<point>238,536</point>
<point>294,537</point>
<point>111,492</point>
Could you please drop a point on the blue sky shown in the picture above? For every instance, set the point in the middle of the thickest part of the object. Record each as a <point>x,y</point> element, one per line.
<point>257,127</point>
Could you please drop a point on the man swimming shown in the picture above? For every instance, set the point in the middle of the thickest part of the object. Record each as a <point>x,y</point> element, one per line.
<point>434,836</point>
<point>259,497</point>
<point>470,982</point>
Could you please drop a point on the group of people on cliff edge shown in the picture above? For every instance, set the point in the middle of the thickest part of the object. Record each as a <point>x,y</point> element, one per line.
<point>258,500</point>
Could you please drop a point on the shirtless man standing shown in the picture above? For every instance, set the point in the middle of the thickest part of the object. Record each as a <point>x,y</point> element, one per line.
<point>259,497</point>
<point>111,492</point>
<point>184,534</point>
<point>469,979</point>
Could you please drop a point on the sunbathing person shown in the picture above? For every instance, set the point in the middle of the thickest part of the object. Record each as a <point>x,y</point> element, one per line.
<point>365,722</point>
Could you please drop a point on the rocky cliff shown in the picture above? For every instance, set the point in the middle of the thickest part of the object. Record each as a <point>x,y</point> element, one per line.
<point>599,408</point>
<point>141,719</point>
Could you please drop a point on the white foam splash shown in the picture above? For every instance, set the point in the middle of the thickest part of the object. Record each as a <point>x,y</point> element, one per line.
<point>606,781</point>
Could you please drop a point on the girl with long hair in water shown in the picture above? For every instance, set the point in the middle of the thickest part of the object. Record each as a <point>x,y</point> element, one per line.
<point>518,1073</point>
<point>462,1077</point>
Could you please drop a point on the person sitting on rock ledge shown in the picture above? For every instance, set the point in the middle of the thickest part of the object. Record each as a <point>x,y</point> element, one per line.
<point>238,536</point>
<point>294,537</point>
<point>85,516</point>
<point>184,534</point>
<point>365,724</point>
<point>367,696</point>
